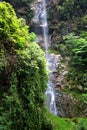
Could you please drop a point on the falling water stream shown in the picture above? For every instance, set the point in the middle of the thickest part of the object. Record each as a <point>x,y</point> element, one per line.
<point>45,26</point>
<point>50,101</point>
<point>41,18</point>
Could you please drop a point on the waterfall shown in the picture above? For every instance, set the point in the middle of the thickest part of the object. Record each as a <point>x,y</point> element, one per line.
<point>50,102</point>
<point>45,26</point>
<point>40,19</point>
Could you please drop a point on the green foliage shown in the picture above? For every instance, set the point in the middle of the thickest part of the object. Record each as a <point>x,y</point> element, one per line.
<point>66,123</point>
<point>23,75</point>
<point>84,34</point>
<point>32,79</point>
<point>60,123</point>
<point>84,98</point>
<point>77,51</point>
<point>77,80</point>
<point>81,125</point>
<point>77,47</point>
<point>68,8</point>
<point>12,28</point>
<point>83,23</point>
<point>71,14</point>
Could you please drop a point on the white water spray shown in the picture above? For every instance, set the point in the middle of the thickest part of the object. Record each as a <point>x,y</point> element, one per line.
<point>50,102</point>
<point>45,26</point>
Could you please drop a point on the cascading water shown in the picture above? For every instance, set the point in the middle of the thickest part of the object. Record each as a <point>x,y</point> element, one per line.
<point>44,26</point>
<point>50,93</point>
<point>41,19</point>
<point>50,102</point>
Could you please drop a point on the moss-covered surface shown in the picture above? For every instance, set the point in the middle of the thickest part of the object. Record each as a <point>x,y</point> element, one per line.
<point>67,123</point>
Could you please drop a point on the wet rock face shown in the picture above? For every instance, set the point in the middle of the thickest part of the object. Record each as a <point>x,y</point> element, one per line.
<point>23,9</point>
<point>37,19</point>
<point>54,63</point>
<point>69,106</point>
<point>56,38</point>
<point>58,70</point>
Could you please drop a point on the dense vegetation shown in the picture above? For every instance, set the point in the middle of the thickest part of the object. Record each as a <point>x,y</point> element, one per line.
<point>23,75</point>
<point>68,30</point>
<point>77,51</point>
<point>70,15</point>
<point>67,123</point>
